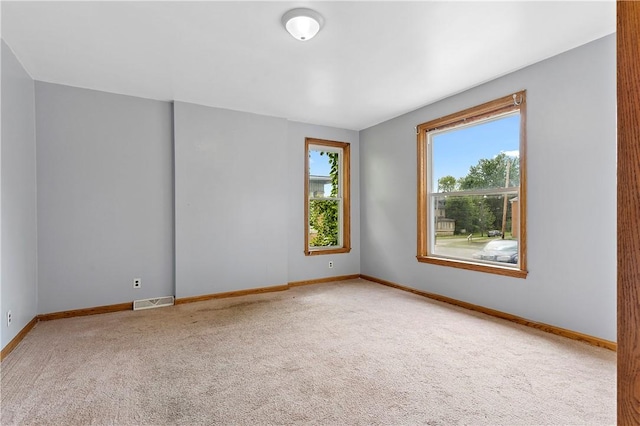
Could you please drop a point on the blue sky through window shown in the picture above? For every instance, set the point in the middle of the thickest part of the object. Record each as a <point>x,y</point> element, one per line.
<point>319,166</point>
<point>455,151</point>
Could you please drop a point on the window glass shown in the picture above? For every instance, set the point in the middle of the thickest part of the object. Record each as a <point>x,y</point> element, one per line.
<point>470,200</point>
<point>327,197</point>
<point>476,156</point>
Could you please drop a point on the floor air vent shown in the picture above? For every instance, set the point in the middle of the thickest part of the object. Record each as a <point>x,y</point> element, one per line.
<point>152,303</point>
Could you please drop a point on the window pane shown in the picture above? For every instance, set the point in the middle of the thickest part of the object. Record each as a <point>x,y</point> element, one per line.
<point>327,190</point>
<point>323,173</point>
<point>477,156</point>
<point>469,195</point>
<point>324,223</point>
<point>471,227</point>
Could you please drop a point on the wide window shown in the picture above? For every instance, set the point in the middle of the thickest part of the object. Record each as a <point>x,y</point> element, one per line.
<point>472,188</point>
<point>327,207</point>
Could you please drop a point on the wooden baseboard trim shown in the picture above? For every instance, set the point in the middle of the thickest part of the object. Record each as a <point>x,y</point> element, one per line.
<point>236,293</point>
<point>259,290</point>
<point>86,311</point>
<point>574,335</point>
<point>324,280</point>
<point>14,342</point>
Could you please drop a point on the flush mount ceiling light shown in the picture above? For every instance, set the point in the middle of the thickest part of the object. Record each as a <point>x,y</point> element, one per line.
<point>303,24</point>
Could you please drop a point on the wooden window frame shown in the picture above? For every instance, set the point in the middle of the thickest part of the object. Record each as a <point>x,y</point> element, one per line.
<point>504,105</point>
<point>345,191</point>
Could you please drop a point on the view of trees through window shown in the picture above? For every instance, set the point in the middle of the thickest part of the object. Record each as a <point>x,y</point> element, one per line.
<point>481,213</point>
<point>327,189</point>
<point>474,191</point>
<point>471,193</point>
<point>324,203</point>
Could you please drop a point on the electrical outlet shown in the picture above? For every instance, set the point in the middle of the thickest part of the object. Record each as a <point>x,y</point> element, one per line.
<point>137,283</point>
<point>9,318</point>
<point>331,264</point>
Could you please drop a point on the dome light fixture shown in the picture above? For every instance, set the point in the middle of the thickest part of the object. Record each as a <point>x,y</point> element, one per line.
<point>302,23</point>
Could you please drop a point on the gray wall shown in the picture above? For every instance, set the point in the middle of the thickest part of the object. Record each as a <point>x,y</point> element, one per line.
<point>105,197</point>
<point>106,207</point>
<point>303,267</point>
<point>239,201</point>
<point>18,177</point>
<point>231,200</point>
<point>571,155</point>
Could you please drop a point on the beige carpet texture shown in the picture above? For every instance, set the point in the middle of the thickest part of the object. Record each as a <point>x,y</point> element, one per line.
<point>345,353</point>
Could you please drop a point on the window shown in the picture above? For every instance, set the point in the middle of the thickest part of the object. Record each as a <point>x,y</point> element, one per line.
<point>472,188</point>
<point>327,207</point>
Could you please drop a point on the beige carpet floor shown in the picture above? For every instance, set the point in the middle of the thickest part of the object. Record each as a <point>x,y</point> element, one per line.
<point>351,352</point>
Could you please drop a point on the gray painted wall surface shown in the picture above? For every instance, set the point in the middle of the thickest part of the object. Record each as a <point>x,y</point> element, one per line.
<point>19,237</point>
<point>231,200</point>
<point>571,155</point>
<point>303,267</point>
<point>105,197</point>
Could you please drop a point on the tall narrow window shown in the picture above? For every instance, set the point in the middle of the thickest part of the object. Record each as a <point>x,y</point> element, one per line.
<point>327,207</point>
<point>472,188</point>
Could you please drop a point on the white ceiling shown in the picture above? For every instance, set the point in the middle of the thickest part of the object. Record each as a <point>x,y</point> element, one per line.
<point>372,60</point>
